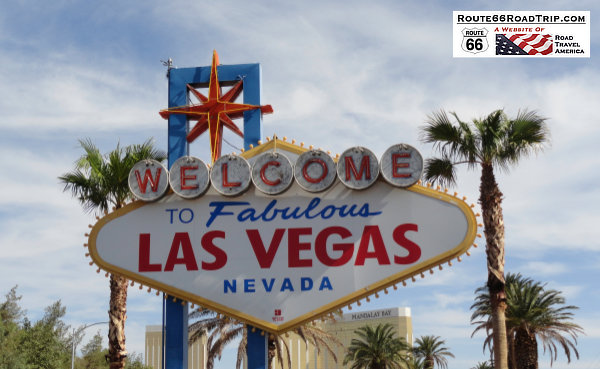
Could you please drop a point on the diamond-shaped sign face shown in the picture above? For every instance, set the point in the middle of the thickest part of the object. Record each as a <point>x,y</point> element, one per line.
<point>279,261</point>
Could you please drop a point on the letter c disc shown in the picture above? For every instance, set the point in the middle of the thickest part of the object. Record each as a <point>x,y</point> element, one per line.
<point>272,173</point>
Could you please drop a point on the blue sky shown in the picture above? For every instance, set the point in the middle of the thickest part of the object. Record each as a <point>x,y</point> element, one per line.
<point>337,74</point>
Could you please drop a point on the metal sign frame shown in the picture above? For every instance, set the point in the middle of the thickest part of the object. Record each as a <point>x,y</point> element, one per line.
<point>176,314</point>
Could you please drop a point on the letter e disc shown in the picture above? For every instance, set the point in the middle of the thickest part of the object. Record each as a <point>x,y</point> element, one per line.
<point>272,173</point>
<point>189,177</point>
<point>358,168</point>
<point>148,180</point>
<point>230,175</point>
<point>401,165</point>
<point>315,170</point>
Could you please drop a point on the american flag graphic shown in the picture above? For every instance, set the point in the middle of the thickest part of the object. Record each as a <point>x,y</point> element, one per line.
<point>523,44</point>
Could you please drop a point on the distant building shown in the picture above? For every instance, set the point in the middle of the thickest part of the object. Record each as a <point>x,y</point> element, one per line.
<point>196,352</point>
<point>343,329</point>
<point>302,357</point>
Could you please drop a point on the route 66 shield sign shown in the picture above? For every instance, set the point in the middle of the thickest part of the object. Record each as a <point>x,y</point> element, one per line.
<point>474,40</point>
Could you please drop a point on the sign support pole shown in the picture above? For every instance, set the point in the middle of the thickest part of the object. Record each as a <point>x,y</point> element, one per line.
<point>175,335</point>
<point>257,349</point>
<point>176,315</point>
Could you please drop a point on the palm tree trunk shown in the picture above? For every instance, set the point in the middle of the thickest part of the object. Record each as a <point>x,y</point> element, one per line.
<point>428,363</point>
<point>512,360</point>
<point>526,350</point>
<point>490,200</point>
<point>116,318</point>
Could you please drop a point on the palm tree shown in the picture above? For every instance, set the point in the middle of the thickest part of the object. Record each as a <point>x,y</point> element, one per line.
<point>483,365</point>
<point>376,348</point>
<point>482,310</point>
<point>100,182</point>
<point>492,142</point>
<point>412,362</point>
<point>431,349</point>
<point>533,313</point>
<point>220,331</point>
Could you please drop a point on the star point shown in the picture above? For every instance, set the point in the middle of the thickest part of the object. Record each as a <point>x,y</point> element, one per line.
<point>215,111</point>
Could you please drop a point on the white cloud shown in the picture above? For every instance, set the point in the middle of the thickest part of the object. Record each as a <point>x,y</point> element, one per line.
<point>67,91</point>
<point>443,300</point>
<point>543,269</point>
<point>447,323</point>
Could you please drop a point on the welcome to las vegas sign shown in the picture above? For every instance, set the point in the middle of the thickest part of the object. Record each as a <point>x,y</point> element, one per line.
<point>280,260</point>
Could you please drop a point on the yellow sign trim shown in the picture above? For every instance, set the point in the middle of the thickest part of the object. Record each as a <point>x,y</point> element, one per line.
<point>323,310</point>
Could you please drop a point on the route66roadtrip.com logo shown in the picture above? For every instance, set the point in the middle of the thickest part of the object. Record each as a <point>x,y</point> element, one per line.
<point>521,34</point>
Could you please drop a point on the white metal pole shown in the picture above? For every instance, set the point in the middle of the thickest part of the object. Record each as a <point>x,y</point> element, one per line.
<point>73,341</point>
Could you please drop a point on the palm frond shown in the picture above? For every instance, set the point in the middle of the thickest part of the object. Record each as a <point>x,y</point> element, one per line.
<point>375,347</point>
<point>99,181</point>
<point>471,142</point>
<point>242,349</point>
<point>88,191</point>
<point>439,130</point>
<point>526,134</point>
<point>91,159</point>
<point>490,134</point>
<point>282,349</point>
<point>483,365</point>
<point>533,307</point>
<point>432,350</point>
<point>441,171</point>
<point>221,331</point>
<point>453,141</point>
<point>319,338</point>
<point>494,140</point>
<point>146,150</point>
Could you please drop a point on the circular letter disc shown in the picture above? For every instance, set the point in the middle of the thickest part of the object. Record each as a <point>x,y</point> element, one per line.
<point>401,165</point>
<point>230,175</point>
<point>189,177</point>
<point>272,173</point>
<point>358,168</point>
<point>148,180</point>
<point>315,171</point>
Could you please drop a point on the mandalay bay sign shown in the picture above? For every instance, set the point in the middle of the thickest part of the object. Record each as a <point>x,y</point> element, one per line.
<point>281,234</point>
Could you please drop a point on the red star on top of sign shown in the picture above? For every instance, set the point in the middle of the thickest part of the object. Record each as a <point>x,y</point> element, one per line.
<point>215,111</point>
